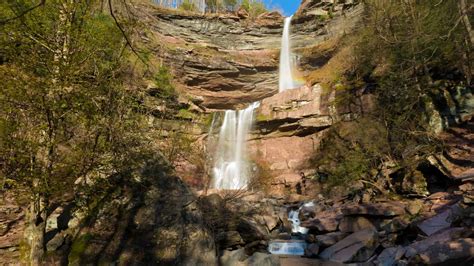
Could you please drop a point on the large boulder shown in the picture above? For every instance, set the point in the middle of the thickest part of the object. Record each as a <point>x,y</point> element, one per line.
<point>251,231</point>
<point>357,247</point>
<point>326,221</point>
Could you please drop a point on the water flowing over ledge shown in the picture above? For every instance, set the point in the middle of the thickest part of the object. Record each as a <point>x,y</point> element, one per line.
<point>231,168</point>
<point>286,79</point>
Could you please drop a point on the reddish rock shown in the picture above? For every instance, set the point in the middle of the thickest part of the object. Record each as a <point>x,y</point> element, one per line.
<point>294,104</point>
<point>326,221</point>
<point>374,209</point>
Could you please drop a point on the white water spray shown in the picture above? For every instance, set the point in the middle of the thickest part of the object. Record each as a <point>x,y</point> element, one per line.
<point>231,170</point>
<point>286,80</point>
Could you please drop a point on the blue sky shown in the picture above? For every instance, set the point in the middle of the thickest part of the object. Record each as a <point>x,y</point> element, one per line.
<point>287,6</point>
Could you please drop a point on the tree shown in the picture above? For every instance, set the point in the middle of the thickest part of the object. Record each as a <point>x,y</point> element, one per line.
<point>65,114</point>
<point>406,54</point>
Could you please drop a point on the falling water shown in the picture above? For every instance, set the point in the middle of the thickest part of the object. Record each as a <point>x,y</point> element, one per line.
<point>230,164</point>
<point>286,81</point>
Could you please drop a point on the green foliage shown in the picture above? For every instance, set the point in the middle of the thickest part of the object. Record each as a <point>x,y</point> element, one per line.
<point>185,114</point>
<point>352,150</point>
<point>187,5</point>
<point>65,113</point>
<point>163,81</point>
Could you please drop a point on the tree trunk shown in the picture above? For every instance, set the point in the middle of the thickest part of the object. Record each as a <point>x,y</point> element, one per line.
<point>464,13</point>
<point>36,231</point>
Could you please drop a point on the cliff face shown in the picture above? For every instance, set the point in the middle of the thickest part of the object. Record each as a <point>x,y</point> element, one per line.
<point>227,61</point>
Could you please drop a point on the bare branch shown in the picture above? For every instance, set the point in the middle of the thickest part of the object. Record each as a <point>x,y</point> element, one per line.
<point>129,43</point>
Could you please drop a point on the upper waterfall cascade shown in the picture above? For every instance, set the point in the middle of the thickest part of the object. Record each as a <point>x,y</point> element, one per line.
<point>286,78</point>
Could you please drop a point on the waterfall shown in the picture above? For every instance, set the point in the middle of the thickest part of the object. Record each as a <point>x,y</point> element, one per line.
<point>231,170</point>
<point>286,80</point>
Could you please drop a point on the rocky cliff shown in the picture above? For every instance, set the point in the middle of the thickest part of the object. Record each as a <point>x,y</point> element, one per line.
<point>229,60</point>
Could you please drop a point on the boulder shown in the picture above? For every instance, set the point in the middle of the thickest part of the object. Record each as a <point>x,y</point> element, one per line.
<point>447,253</point>
<point>330,239</point>
<point>374,209</point>
<point>357,247</point>
<point>271,222</point>
<point>326,221</point>
<point>440,221</point>
<point>390,256</point>
<point>350,224</point>
<point>262,259</point>
<point>251,231</point>
<point>312,250</point>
